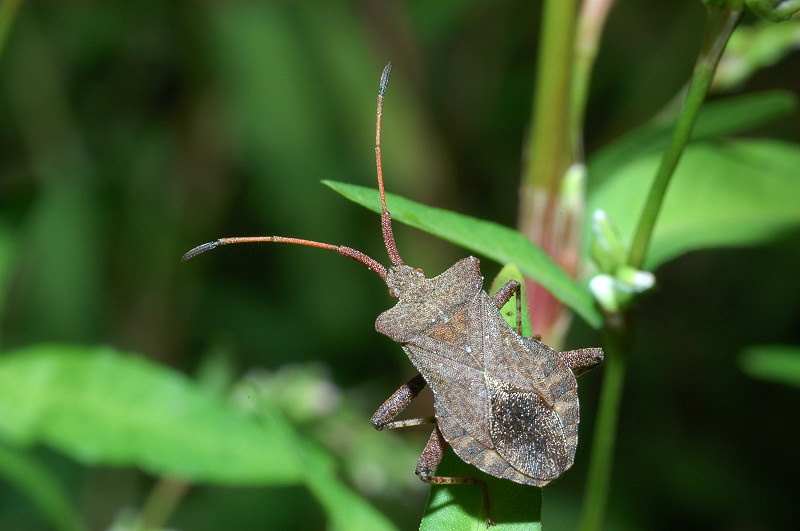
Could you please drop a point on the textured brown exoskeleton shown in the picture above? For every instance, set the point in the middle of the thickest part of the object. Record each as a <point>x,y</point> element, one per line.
<point>506,404</point>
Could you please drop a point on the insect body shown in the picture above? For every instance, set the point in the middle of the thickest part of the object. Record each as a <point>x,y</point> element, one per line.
<point>506,404</point>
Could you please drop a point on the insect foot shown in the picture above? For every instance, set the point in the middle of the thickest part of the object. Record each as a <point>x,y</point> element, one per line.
<point>505,403</point>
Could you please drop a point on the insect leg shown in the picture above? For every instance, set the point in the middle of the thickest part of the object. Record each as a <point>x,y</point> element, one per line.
<point>407,423</point>
<point>583,359</point>
<point>504,294</point>
<point>430,459</point>
<point>397,403</point>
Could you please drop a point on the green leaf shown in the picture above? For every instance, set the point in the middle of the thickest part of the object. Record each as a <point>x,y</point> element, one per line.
<point>499,243</point>
<point>106,408</point>
<point>513,506</point>
<point>724,193</point>
<point>753,47</point>
<point>42,488</point>
<point>773,363</point>
<point>774,10</point>
<point>509,311</point>
<point>728,116</point>
<point>344,507</point>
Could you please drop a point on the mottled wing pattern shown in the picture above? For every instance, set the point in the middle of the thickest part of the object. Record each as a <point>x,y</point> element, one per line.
<point>478,454</point>
<point>533,400</point>
<point>527,433</point>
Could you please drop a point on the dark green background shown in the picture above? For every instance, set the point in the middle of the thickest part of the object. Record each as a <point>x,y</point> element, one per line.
<point>131,132</point>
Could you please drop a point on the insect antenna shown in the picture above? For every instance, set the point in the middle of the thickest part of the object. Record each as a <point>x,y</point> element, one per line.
<point>386,219</point>
<point>343,250</point>
<point>354,254</point>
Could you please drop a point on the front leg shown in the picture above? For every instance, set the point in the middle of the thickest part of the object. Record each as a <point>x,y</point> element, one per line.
<point>400,399</point>
<point>512,288</point>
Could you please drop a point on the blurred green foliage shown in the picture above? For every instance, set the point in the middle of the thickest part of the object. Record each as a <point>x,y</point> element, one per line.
<point>131,132</point>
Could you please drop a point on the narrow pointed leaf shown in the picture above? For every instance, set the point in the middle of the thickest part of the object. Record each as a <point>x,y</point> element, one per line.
<point>499,243</point>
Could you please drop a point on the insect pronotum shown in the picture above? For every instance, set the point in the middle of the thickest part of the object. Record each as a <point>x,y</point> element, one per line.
<point>505,403</point>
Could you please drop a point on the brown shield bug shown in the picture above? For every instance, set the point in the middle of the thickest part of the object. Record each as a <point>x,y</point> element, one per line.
<point>506,404</point>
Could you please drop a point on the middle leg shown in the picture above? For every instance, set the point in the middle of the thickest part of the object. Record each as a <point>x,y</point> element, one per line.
<point>395,404</point>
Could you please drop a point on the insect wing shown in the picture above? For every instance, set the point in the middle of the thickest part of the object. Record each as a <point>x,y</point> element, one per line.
<point>507,356</point>
<point>527,432</point>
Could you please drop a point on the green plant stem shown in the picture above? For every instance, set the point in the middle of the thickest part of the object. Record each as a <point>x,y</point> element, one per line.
<point>721,24</point>
<point>547,153</point>
<point>161,503</point>
<point>547,156</point>
<point>605,431</point>
<point>719,27</point>
<point>591,20</point>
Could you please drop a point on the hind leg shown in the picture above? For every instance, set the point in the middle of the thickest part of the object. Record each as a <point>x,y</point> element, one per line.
<point>430,459</point>
<point>582,360</point>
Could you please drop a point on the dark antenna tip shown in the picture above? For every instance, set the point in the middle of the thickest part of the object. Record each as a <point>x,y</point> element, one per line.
<point>200,249</point>
<point>385,78</point>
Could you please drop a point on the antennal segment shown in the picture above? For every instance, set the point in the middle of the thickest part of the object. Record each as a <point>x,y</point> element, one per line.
<point>349,252</point>
<point>386,219</point>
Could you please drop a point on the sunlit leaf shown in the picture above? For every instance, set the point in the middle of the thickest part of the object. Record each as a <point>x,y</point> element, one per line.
<point>106,408</point>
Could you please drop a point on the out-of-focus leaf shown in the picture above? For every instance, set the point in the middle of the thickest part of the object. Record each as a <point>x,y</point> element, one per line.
<point>344,507</point>
<point>753,47</point>
<point>63,226</point>
<point>724,193</point>
<point>513,506</point>
<point>774,363</point>
<point>728,116</point>
<point>106,408</point>
<point>774,10</point>
<point>490,239</point>
<point>41,487</point>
